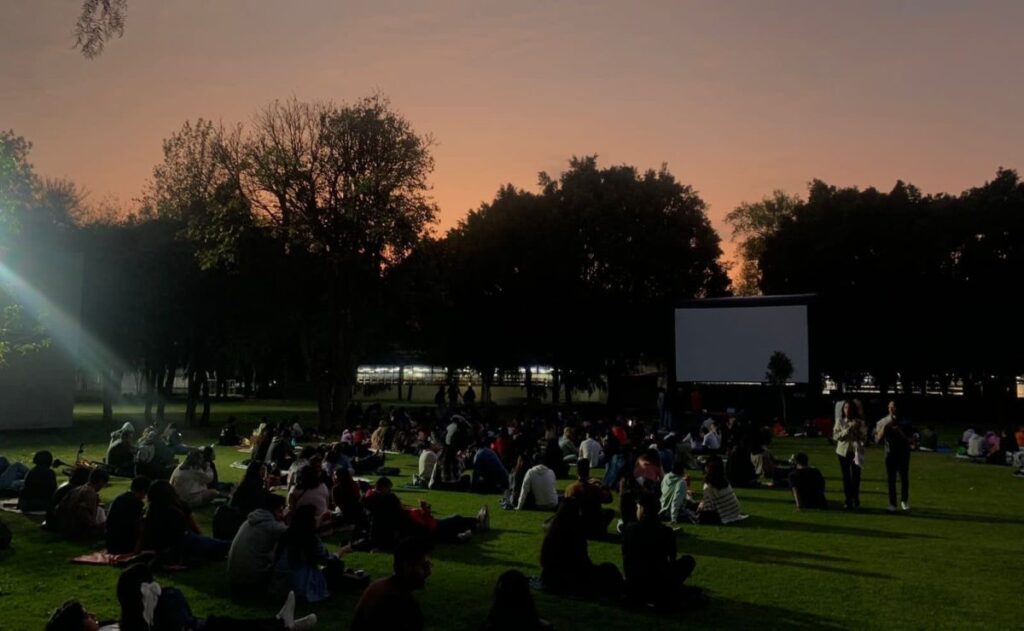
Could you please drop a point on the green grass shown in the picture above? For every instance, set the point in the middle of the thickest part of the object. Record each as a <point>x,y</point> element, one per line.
<point>955,561</point>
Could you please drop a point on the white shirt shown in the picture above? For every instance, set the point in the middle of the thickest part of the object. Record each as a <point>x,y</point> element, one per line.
<point>428,459</point>
<point>712,441</point>
<point>592,451</point>
<point>540,482</point>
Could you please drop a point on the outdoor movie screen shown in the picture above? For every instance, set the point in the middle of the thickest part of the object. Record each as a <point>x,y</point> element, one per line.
<point>731,340</point>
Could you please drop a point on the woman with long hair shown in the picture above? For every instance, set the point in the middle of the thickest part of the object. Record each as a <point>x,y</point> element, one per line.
<point>310,490</point>
<point>565,562</point>
<point>170,529</point>
<point>251,492</point>
<point>850,434</point>
<point>299,556</point>
<point>719,504</point>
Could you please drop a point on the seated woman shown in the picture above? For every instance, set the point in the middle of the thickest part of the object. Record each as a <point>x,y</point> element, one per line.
<point>79,476</point>
<point>40,484</point>
<point>719,504</point>
<point>192,479</point>
<point>170,529</point>
<point>565,564</point>
<point>386,516</point>
<point>251,493</point>
<point>300,553</point>
<point>513,608</point>
<point>121,451</point>
<point>347,498</point>
<point>79,515</point>
<point>648,472</point>
<point>310,490</point>
<point>448,472</point>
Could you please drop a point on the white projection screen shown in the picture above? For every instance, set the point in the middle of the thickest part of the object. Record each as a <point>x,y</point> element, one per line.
<point>731,340</point>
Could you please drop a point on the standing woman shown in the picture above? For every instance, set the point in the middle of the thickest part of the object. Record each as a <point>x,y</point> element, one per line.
<point>850,433</point>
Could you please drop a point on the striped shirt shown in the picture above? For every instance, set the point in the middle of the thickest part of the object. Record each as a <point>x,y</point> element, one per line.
<point>724,501</point>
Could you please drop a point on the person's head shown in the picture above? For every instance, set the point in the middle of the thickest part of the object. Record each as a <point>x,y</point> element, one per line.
<point>309,478</point>
<point>275,504</point>
<point>892,408</point>
<point>412,561</point>
<point>583,469</point>
<point>99,478</point>
<point>193,460</point>
<point>679,466</point>
<point>79,476</point>
<point>162,494</point>
<point>513,602</point>
<point>384,485</point>
<point>714,473</point>
<point>648,505</point>
<point>209,453</point>
<point>140,486</point>
<point>567,519</point>
<point>307,452</point>
<point>847,409</point>
<point>129,594</point>
<point>72,616</point>
<point>567,432</point>
<point>800,459</point>
<point>42,459</point>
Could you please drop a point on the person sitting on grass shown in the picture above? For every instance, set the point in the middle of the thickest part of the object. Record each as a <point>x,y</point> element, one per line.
<point>675,493</point>
<point>154,459</point>
<point>80,516</point>
<point>170,529</point>
<point>448,472</point>
<point>386,516</point>
<point>489,475</point>
<point>653,573</point>
<point>40,484</point>
<point>251,493</point>
<point>347,498</point>
<point>807,483</point>
<point>124,520</point>
<point>565,563</point>
<point>591,449</point>
<point>648,472</point>
<point>388,603</point>
<point>148,606</point>
<point>570,451</point>
<point>174,440</point>
<point>451,529</point>
<point>298,558</point>
<point>538,490</point>
<point>252,555</point>
<point>79,476</point>
<point>121,451</point>
<point>719,504</point>
<point>513,608</point>
<point>192,481</point>
<point>592,497</point>
<point>310,490</point>
<point>427,462</point>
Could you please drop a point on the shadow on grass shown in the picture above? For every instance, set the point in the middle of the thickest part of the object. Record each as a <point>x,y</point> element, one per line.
<point>724,613</point>
<point>962,517</point>
<point>773,556</point>
<point>757,521</point>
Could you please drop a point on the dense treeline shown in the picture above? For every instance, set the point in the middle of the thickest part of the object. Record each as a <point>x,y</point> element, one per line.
<point>293,247</point>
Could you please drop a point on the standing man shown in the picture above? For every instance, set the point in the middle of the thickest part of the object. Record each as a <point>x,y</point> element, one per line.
<point>896,434</point>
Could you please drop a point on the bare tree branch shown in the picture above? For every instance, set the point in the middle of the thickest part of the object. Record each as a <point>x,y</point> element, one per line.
<point>99,22</point>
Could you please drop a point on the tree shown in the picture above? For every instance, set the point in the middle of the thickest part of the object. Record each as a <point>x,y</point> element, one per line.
<point>780,371</point>
<point>343,189</point>
<point>752,224</point>
<point>99,22</point>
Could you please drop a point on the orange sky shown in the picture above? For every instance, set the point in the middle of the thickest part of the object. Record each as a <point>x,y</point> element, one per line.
<point>738,98</point>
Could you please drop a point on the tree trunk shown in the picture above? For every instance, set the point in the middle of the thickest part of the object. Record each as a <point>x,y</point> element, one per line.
<point>192,399</point>
<point>556,386</point>
<point>108,375</point>
<point>150,379</point>
<point>401,381</point>
<point>204,421</point>
<point>528,384</point>
<point>166,391</point>
<point>782,395</point>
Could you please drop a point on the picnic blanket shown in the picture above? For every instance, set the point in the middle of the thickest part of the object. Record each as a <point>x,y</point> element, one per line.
<point>115,560</point>
<point>11,506</point>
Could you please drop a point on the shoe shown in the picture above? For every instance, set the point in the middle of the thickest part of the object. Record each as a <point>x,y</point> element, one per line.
<point>483,518</point>
<point>892,508</point>
<point>464,536</point>
<point>1019,474</point>
<point>304,623</point>
<point>905,506</point>
<point>287,613</point>
<point>618,527</point>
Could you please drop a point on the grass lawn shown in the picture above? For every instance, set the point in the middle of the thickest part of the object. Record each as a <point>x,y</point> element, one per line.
<point>955,561</point>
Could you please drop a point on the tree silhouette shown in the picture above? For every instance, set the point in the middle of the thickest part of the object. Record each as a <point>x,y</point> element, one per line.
<point>780,371</point>
<point>99,22</point>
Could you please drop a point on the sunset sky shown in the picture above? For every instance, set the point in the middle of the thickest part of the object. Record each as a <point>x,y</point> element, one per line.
<point>739,98</point>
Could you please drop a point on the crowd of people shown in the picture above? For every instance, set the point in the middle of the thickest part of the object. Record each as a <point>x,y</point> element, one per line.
<point>272,542</point>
